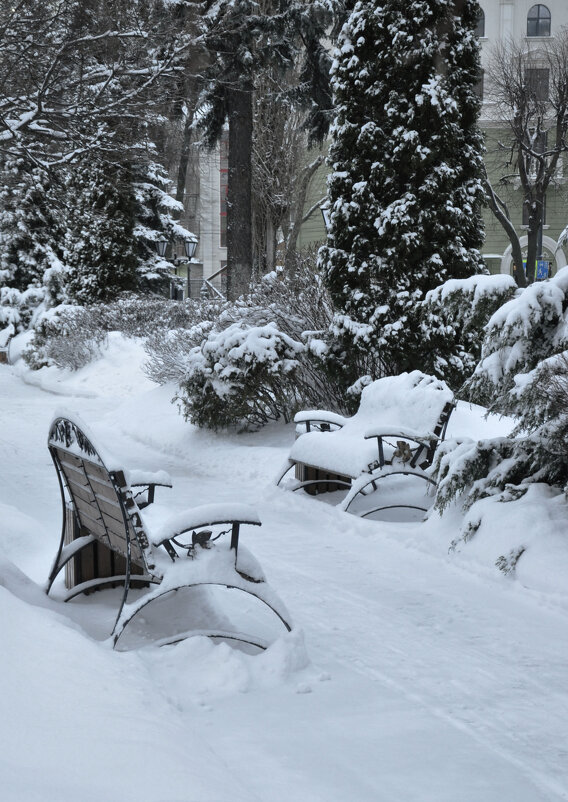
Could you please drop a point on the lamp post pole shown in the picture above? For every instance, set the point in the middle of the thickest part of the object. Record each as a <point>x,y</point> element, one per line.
<point>190,246</point>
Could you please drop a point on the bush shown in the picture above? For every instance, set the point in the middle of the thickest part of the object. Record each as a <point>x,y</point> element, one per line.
<point>523,373</point>
<point>242,376</point>
<point>457,312</point>
<point>296,306</point>
<point>71,336</point>
<point>66,337</point>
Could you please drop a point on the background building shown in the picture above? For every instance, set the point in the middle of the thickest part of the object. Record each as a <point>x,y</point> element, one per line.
<point>531,27</point>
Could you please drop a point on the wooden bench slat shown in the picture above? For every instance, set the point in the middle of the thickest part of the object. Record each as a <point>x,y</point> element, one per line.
<point>83,466</point>
<point>110,506</point>
<point>85,476</point>
<point>102,526</point>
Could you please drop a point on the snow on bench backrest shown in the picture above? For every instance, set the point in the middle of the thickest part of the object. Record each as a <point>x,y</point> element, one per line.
<point>413,400</point>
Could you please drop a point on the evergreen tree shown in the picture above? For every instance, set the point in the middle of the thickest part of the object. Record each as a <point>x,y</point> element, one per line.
<point>28,235</point>
<point>155,211</point>
<point>405,190</point>
<point>27,224</point>
<point>99,252</point>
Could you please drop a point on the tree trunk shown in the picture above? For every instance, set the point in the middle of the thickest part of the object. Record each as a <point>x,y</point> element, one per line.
<point>239,191</point>
<point>532,244</point>
<point>184,159</point>
<point>501,213</point>
<point>300,201</point>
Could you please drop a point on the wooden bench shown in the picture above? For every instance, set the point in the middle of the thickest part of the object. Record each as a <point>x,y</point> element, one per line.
<point>5,337</point>
<point>396,430</point>
<point>106,541</point>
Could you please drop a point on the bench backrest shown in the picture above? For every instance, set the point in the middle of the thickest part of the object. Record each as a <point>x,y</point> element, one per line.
<point>412,399</point>
<point>103,502</point>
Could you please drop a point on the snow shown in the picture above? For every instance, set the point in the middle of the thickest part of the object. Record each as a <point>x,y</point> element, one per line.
<point>415,672</point>
<point>391,405</point>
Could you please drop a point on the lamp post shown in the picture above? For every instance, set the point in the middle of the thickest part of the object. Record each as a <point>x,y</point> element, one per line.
<point>162,247</point>
<point>190,246</point>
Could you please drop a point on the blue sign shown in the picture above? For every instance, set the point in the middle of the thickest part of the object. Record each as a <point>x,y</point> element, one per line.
<point>541,269</point>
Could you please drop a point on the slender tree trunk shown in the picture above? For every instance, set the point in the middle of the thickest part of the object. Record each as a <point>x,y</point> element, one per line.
<point>501,213</point>
<point>239,191</point>
<point>292,238</point>
<point>184,159</point>
<point>532,242</point>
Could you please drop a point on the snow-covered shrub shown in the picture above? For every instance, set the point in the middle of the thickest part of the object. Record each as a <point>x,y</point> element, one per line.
<point>169,350</point>
<point>64,336</point>
<point>299,302</point>
<point>242,376</point>
<point>18,308</point>
<point>296,303</point>
<point>70,336</point>
<point>457,312</point>
<point>523,373</point>
<point>521,334</point>
<point>149,316</point>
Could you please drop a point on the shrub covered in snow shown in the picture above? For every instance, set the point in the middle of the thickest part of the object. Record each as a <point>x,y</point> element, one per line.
<point>65,337</point>
<point>454,316</point>
<point>242,376</point>
<point>296,303</point>
<point>17,308</point>
<point>69,336</point>
<point>523,373</point>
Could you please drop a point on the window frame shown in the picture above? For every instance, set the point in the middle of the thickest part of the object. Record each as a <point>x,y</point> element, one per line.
<point>538,87</point>
<point>480,25</point>
<point>536,22</point>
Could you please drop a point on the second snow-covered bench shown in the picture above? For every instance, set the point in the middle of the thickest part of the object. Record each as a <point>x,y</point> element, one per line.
<point>106,540</point>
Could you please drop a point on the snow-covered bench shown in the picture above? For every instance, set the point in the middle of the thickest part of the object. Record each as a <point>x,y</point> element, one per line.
<point>399,423</point>
<point>106,539</point>
<point>5,337</point>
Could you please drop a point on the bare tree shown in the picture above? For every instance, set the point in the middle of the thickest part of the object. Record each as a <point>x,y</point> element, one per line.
<point>528,92</point>
<point>73,81</point>
<point>282,168</point>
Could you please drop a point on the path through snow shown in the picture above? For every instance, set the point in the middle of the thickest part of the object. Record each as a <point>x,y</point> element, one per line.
<point>427,681</point>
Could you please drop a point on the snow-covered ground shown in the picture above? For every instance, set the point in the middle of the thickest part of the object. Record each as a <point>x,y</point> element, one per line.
<point>413,673</point>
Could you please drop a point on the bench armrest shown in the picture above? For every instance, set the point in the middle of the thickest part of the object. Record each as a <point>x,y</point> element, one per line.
<point>424,438</point>
<point>148,481</point>
<point>320,420</point>
<point>204,515</point>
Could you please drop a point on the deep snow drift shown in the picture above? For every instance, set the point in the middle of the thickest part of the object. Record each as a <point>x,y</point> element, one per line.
<point>413,673</point>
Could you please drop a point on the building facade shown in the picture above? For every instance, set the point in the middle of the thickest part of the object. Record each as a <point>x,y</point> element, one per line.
<point>529,28</point>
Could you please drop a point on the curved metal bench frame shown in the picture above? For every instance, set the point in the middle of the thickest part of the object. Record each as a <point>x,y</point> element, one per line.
<point>374,481</point>
<point>421,457</point>
<point>93,491</point>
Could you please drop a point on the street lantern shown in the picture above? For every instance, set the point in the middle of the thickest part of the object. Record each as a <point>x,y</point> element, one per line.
<point>190,248</point>
<point>162,247</point>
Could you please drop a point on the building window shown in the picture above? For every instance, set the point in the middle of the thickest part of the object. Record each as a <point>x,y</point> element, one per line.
<point>480,27</point>
<point>536,79</point>
<point>478,89</point>
<point>223,186</point>
<point>538,21</point>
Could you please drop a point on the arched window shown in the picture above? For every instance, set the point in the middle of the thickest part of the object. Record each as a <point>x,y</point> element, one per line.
<point>480,27</point>
<point>538,21</point>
